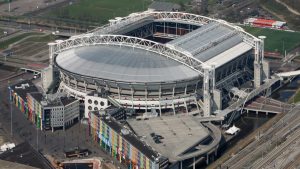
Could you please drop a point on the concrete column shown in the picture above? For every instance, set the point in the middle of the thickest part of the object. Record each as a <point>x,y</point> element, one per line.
<point>257,64</point>
<point>51,52</point>
<point>159,93</point>
<point>173,94</point>
<point>194,164</point>
<point>206,92</point>
<point>132,91</point>
<point>217,100</point>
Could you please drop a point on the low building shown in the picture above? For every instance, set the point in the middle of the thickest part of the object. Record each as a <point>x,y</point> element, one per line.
<point>53,114</point>
<point>258,22</point>
<point>18,96</point>
<point>123,144</point>
<point>44,113</point>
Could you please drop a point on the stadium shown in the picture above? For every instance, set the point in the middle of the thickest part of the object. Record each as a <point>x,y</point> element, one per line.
<point>166,62</point>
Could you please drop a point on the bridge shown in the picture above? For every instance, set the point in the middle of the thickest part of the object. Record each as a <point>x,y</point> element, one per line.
<point>241,104</point>
<point>289,74</point>
<point>35,72</point>
<point>268,105</point>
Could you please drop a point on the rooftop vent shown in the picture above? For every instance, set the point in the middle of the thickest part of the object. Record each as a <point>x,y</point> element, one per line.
<point>124,131</point>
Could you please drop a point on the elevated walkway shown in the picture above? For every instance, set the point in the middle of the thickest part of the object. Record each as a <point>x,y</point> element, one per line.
<point>268,105</point>
<point>242,101</point>
<point>289,74</point>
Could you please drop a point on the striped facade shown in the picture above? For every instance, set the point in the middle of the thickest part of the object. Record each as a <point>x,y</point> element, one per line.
<point>117,146</point>
<point>31,110</point>
<point>35,108</point>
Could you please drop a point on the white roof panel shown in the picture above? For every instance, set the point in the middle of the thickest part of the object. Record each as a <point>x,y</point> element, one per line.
<point>229,54</point>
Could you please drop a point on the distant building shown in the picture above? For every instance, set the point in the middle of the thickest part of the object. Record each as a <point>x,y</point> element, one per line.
<point>44,113</point>
<point>122,144</point>
<point>200,6</point>
<point>163,6</point>
<point>265,23</point>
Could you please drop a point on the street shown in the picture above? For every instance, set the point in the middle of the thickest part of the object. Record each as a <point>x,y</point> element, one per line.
<point>47,142</point>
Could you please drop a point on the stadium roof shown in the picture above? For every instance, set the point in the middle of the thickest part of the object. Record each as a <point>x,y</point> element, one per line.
<point>123,63</point>
<point>212,41</point>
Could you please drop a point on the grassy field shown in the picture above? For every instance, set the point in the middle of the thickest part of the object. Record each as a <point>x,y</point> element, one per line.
<point>47,38</point>
<point>281,11</point>
<point>276,39</point>
<point>297,97</point>
<point>99,10</point>
<point>5,44</point>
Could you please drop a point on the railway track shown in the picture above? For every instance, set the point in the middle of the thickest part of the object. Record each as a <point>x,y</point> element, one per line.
<point>275,152</point>
<point>254,149</point>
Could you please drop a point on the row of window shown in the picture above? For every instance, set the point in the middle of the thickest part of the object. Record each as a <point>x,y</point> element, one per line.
<point>96,102</point>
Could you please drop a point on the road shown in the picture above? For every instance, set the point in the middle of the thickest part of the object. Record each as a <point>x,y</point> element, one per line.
<point>47,142</point>
<point>287,129</point>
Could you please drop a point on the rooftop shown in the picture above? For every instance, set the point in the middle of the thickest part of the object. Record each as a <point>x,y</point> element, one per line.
<point>25,154</point>
<point>180,133</point>
<point>125,64</point>
<point>211,40</point>
<point>24,87</point>
<point>130,137</point>
<point>37,96</point>
<point>12,165</point>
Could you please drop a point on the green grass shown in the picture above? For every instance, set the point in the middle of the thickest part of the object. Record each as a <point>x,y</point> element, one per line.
<point>99,10</point>
<point>5,44</point>
<point>297,97</point>
<point>276,39</point>
<point>47,38</point>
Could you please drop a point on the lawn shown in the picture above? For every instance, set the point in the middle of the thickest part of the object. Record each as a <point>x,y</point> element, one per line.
<point>47,38</point>
<point>277,40</point>
<point>99,11</point>
<point>5,44</point>
<point>297,97</point>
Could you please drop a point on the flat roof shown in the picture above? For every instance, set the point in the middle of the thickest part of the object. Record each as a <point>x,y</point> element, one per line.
<point>208,41</point>
<point>29,156</point>
<point>131,138</point>
<point>125,64</point>
<point>229,54</point>
<point>13,165</point>
<point>180,133</point>
<point>22,92</point>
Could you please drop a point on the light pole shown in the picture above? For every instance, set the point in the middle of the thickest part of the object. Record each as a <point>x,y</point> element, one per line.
<point>10,100</point>
<point>9,6</point>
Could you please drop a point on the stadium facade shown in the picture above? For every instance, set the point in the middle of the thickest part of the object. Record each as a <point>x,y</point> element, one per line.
<point>170,62</point>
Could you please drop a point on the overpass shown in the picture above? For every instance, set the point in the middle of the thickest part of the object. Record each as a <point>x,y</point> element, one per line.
<point>268,105</point>
<point>35,72</point>
<point>289,74</point>
<point>239,105</point>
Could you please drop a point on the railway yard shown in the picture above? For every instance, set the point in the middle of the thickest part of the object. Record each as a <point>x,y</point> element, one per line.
<point>277,146</point>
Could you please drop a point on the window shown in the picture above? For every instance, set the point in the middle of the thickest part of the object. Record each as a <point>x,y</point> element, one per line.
<point>102,103</point>
<point>95,108</point>
<point>90,107</point>
<point>90,101</point>
<point>96,102</point>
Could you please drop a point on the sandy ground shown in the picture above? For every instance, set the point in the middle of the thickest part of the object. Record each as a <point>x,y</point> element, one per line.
<point>20,7</point>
